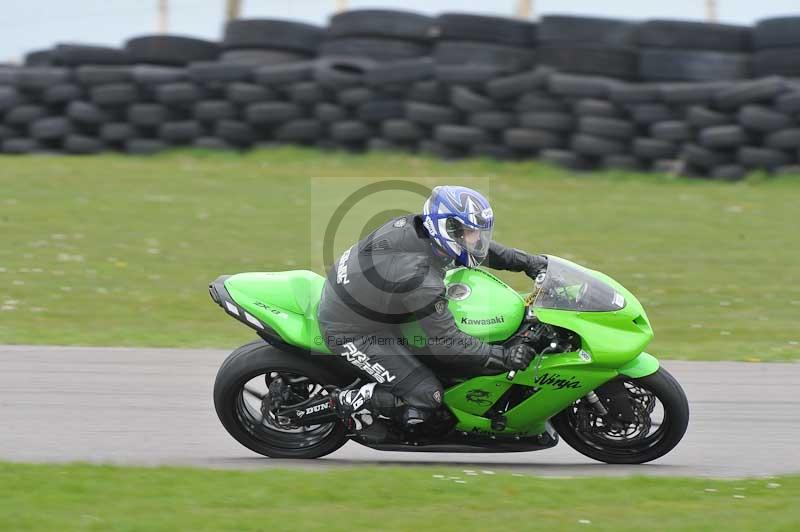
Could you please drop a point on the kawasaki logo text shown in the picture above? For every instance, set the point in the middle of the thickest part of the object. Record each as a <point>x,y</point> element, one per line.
<point>487,321</point>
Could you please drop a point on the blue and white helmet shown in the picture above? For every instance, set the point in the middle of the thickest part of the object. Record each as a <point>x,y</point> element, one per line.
<point>459,221</point>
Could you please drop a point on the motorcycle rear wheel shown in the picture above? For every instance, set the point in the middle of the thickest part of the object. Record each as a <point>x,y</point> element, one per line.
<point>242,385</point>
<point>633,443</point>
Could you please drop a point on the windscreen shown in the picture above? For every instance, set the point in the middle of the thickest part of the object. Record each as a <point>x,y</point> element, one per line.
<point>567,286</point>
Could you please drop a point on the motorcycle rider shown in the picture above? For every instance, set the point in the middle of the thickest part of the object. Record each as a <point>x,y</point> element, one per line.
<point>395,275</point>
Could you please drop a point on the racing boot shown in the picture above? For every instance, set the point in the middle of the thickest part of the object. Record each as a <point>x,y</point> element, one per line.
<point>349,401</point>
<point>368,402</point>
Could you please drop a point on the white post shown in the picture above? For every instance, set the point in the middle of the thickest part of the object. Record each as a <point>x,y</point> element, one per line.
<point>524,8</point>
<point>711,11</point>
<point>233,9</point>
<point>163,16</point>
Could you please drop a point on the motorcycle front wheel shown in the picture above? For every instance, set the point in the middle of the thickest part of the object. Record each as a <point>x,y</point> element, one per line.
<point>660,415</point>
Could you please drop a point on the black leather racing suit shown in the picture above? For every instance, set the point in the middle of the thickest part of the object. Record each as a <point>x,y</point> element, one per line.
<point>392,276</point>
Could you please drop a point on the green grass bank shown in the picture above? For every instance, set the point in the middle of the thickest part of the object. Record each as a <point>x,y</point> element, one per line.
<point>83,497</point>
<point>117,250</point>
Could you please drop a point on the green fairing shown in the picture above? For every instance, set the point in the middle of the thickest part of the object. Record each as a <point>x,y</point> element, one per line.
<point>643,365</point>
<point>288,301</point>
<point>285,301</point>
<point>612,339</point>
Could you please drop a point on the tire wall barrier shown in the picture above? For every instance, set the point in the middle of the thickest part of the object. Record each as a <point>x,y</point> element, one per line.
<point>702,99</point>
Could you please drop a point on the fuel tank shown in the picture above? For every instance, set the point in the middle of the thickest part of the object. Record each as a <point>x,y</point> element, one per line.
<point>483,306</point>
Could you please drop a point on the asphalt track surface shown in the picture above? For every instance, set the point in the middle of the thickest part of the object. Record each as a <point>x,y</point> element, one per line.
<point>154,407</point>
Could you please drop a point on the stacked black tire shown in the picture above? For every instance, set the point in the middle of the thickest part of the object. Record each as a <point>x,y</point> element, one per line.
<point>777,47</point>
<point>719,129</point>
<point>458,114</point>
<point>589,46</point>
<point>369,62</point>
<point>473,49</point>
<point>72,55</point>
<point>269,42</point>
<point>676,50</point>
<point>381,35</point>
<point>567,91</point>
<point>749,125</point>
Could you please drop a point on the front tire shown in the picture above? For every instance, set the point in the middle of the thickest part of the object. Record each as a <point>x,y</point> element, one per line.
<point>237,402</point>
<point>627,445</point>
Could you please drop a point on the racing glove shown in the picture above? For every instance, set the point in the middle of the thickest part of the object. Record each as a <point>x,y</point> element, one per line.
<point>536,265</point>
<point>501,257</point>
<point>516,357</point>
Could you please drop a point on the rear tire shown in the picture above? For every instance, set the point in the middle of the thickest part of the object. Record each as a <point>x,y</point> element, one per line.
<point>673,426</point>
<point>259,358</point>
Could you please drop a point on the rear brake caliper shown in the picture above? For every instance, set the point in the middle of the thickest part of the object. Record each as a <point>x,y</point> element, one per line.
<point>278,395</point>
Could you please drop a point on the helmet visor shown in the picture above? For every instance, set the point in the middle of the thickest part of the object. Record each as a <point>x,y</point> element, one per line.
<point>475,240</point>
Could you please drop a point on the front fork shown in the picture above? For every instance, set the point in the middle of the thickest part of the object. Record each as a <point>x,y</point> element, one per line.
<point>644,364</point>
<point>596,404</point>
<point>617,410</point>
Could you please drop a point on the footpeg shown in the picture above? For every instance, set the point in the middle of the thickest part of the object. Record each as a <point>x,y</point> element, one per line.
<point>413,416</point>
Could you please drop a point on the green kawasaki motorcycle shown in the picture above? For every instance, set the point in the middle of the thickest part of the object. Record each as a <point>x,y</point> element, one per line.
<point>591,383</point>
